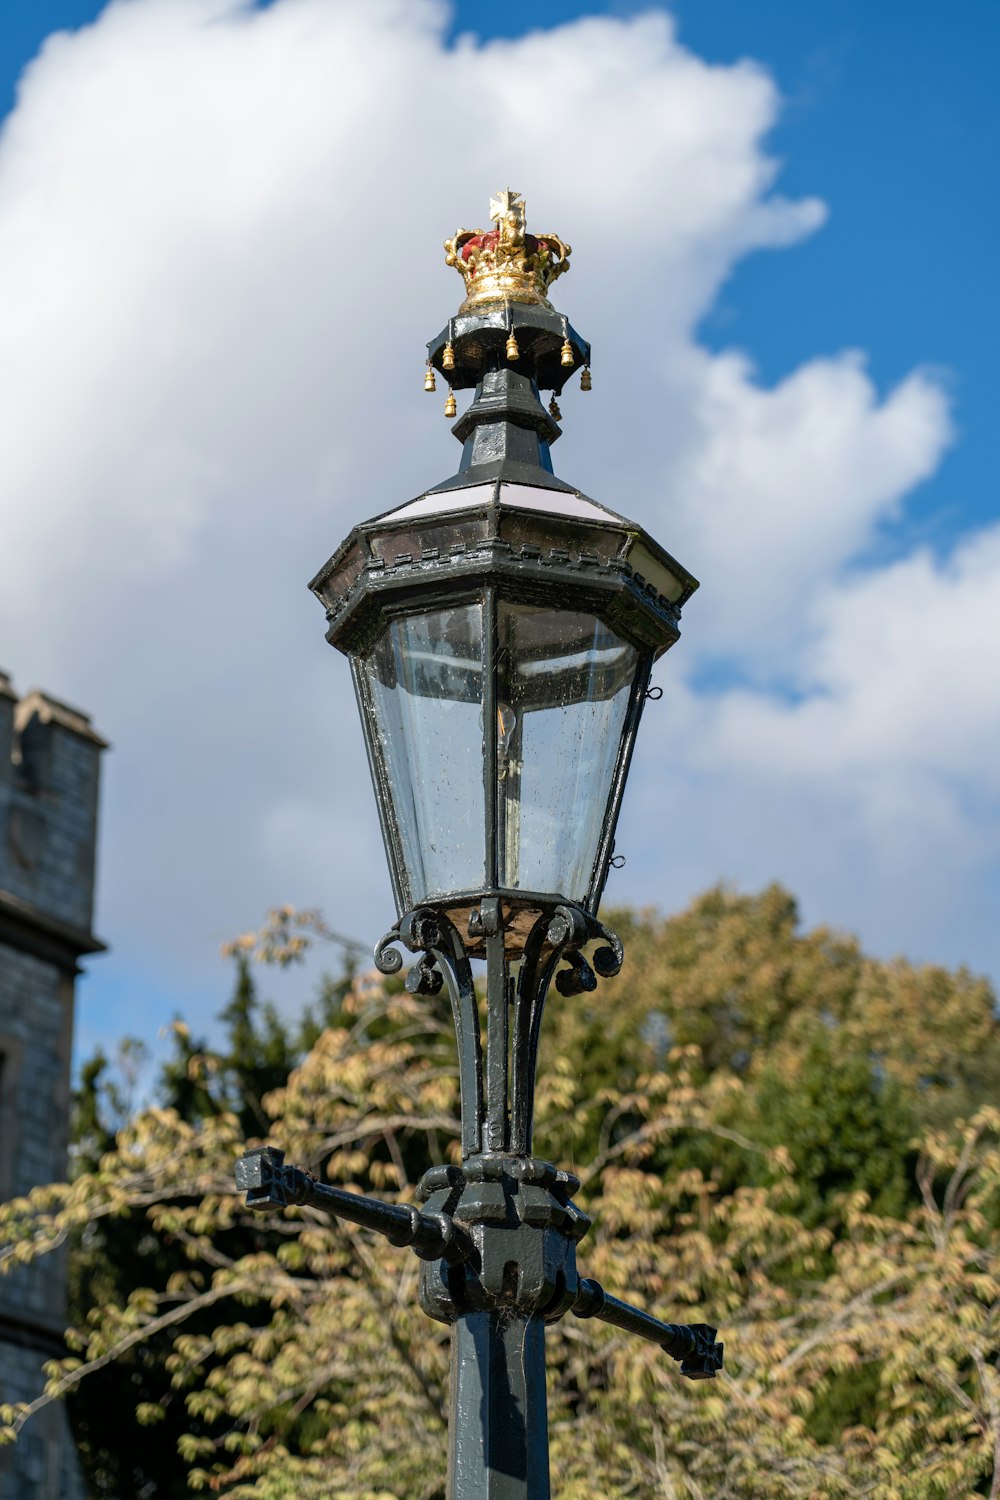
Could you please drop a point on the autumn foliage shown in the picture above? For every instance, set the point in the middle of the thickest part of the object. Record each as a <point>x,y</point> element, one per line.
<point>775,1134</point>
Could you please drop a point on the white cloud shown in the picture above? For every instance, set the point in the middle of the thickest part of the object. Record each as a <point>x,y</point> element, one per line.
<point>780,487</point>
<point>876,791</point>
<point>903,676</point>
<point>220,257</point>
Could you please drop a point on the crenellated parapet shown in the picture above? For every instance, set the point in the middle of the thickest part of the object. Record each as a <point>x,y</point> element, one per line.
<point>49,778</point>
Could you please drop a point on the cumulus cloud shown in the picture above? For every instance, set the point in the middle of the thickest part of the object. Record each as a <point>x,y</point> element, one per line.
<point>874,788</point>
<point>220,234</point>
<point>900,676</point>
<point>781,487</point>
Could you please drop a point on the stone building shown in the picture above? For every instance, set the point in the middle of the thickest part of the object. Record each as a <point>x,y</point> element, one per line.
<point>49,773</point>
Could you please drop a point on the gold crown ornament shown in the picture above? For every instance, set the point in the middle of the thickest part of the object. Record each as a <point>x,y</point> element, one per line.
<point>506,264</point>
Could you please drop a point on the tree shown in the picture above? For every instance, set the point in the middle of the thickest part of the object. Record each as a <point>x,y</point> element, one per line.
<point>294,1349</point>
<point>198,1083</point>
<point>846,1123</point>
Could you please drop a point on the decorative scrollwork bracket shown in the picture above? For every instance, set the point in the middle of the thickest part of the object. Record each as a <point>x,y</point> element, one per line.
<point>501,1229</point>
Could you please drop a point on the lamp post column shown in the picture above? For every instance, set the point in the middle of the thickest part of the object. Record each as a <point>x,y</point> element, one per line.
<point>514,1213</point>
<point>501,629</point>
<point>498,1441</point>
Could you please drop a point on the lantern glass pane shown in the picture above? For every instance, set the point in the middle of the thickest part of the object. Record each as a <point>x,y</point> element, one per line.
<point>563,685</point>
<point>425,682</point>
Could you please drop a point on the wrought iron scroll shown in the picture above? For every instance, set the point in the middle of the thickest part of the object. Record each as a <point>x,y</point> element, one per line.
<point>457,1226</point>
<point>555,939</point>
<point>553,953</point>
<point>444,960</point>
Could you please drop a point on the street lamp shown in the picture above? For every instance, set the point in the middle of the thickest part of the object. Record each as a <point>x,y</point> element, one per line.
<point>501,630</point>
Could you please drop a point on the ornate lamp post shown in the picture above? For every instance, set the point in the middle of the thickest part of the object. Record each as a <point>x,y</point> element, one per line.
<point>501,630</point>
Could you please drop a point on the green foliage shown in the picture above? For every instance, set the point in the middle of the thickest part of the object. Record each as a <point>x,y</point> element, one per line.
<point>257,1053</point>
<point>846,1125</point>
<point>775,1133</point>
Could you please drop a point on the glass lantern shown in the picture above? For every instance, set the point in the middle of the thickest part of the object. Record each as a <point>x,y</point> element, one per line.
<point>501,638</point>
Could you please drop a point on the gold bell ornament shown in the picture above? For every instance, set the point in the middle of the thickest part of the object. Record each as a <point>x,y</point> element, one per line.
<point>448,357</point>
<point>554,410</point>
<point>566,356</point>
<point>513,352</point>
<point>585,381</point>
<point>450,406</point>
<point>430,384</point>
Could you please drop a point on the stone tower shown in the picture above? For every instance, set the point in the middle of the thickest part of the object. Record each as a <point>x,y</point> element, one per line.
<point>49,773</point>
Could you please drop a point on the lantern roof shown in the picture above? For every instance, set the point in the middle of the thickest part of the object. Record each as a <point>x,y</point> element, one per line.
<point>556,502</point>
<point>504,518</point>
<point>536,542</point>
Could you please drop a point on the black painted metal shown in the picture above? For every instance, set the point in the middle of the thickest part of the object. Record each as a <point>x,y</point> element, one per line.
<point>490,734</point>
<point>479,341</point>
<point>497,1235</point>
<point>268,1183</point>
<point>445,1239</point>
<point>444,956</point>
<point>640,689</point>
<point>497,1027</point>
<point>557,936</point>
<point>497,1422</point>
<point>506,432</point>
<point>693,1344</point>
<point>383,801</point>
<point>384,571</point>
<point>514,1214</point>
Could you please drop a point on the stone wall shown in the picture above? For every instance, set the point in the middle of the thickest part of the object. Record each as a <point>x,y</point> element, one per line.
<point>42,1464</point>
<point>36,1016</point>
<point>49,776</point>
<point>49,773</point>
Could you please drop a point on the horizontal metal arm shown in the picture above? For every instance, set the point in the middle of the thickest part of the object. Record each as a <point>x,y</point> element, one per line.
<point>693,1344</point>
<point>268,1183</point>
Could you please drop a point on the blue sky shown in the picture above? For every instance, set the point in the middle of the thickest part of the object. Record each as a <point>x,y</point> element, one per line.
<point>892,118</point>
<point>883,114</point>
